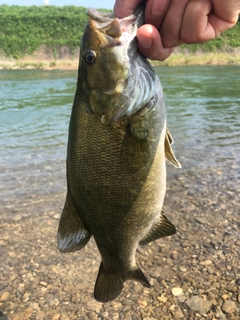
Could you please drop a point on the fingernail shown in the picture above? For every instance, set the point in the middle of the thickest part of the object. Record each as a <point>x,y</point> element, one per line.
<point>146,42</point>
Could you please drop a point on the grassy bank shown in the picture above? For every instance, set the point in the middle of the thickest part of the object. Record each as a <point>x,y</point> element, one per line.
<point>177,59</point>
<point>59,29</point>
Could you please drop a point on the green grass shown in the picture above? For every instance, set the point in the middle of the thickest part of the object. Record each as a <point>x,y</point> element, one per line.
<point>25,29</point>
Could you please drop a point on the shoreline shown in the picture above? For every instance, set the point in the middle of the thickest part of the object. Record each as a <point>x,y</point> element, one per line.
<point>175,60</point>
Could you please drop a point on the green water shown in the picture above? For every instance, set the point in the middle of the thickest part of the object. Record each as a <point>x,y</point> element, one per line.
<point>203,114</point>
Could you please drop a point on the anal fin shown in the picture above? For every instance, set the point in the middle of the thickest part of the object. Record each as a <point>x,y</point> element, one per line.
<point>162,229</point>
<point>169,154</point>
<point>72,234</point>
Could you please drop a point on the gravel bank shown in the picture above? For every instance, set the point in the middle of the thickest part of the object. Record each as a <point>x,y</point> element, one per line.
<point>195,274</point>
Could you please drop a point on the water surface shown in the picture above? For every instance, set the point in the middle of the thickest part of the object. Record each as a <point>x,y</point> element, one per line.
<point>203,108</point>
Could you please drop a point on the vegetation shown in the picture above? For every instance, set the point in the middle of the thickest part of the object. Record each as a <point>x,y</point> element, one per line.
<point>24,29</point>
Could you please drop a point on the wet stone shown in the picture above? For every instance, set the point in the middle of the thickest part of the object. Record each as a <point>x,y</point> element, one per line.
<point>198,304</point>
<point>229,306</point>
<point>177,291</point>
<point>206,262</point>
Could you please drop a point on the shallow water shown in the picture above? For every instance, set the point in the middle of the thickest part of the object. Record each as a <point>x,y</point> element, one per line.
<point>203,108</point>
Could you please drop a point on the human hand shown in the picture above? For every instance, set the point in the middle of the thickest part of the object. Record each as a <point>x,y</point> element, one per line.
<point>169,23</point>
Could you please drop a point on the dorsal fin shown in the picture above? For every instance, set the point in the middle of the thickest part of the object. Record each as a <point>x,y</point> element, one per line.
<point>170,156</point>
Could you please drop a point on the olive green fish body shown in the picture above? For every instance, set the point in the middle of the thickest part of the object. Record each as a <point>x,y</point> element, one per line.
<point>116,169</point>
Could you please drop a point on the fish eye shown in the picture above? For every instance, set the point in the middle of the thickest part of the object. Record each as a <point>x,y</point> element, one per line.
<point>89,56</point>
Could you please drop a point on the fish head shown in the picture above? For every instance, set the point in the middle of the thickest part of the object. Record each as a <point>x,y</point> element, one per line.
<point>108,49</point>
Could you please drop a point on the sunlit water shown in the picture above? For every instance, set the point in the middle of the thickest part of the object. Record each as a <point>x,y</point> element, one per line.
<point>203,108</point>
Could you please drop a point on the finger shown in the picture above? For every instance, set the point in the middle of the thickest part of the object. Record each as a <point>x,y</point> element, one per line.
<point>195,26</point>
<point>155,12</point>
<point>172,23</point>
<point>200,24</point>
<point>150,44</point>
<point>227,10</point>
<point>124,8</point>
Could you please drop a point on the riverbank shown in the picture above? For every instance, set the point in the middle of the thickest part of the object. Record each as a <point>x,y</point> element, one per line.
<point>176,59</point>
<point>194,274</point>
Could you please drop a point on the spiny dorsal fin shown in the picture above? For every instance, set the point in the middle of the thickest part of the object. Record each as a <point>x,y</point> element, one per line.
<point>162,229</point>
<point>72,234</point>
<point>170,156</point>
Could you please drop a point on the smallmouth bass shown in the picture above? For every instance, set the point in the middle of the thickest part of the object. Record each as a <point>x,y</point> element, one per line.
<point>117,150</point>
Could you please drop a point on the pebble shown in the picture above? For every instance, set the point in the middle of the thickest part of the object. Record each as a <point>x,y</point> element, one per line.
<point>183,269</point>
<point>40,315</point>
<point>178,314</point>
<point>4,296</point>
<point>177,291</point>
<point>229,306</point>
<point>198,304</point>
<point>174,255</point>
<point>206,262</point>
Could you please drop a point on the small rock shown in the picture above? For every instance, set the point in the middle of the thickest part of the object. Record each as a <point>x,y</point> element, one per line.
<point>43,283</point>
<point>136,317</point>
<point>206,262</point>
<point>198,304</point>
<point>201,220</point>
<point>181,298</point>
<point>238,281</point>
<point>4,296</point>
<point>40,315</point>
<point>177,291</point>
<point>229,306</point>
<point>178,314</point>
<point>142,303</point>
<point>183,269</point>
<point>174,255</point>
<point>56,216</point>
<point>224,296</point>
<point>162,298</point>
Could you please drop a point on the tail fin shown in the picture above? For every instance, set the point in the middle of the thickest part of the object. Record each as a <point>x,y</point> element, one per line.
<point>138,276</point>
<point>108,285</point>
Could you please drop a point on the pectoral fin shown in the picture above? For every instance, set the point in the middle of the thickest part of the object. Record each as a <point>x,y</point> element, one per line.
<point>72,234</point>
<point>135,151</point>
<point>162,229</point>
<point>170,156</point>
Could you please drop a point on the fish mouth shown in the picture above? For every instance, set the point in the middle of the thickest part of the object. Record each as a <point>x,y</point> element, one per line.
<point>121,29</point>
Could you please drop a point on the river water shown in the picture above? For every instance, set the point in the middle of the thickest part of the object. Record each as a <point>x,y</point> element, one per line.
<point>203,114</point>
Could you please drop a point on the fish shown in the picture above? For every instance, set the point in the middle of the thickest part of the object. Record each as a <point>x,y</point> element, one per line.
<point>118,145</point>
